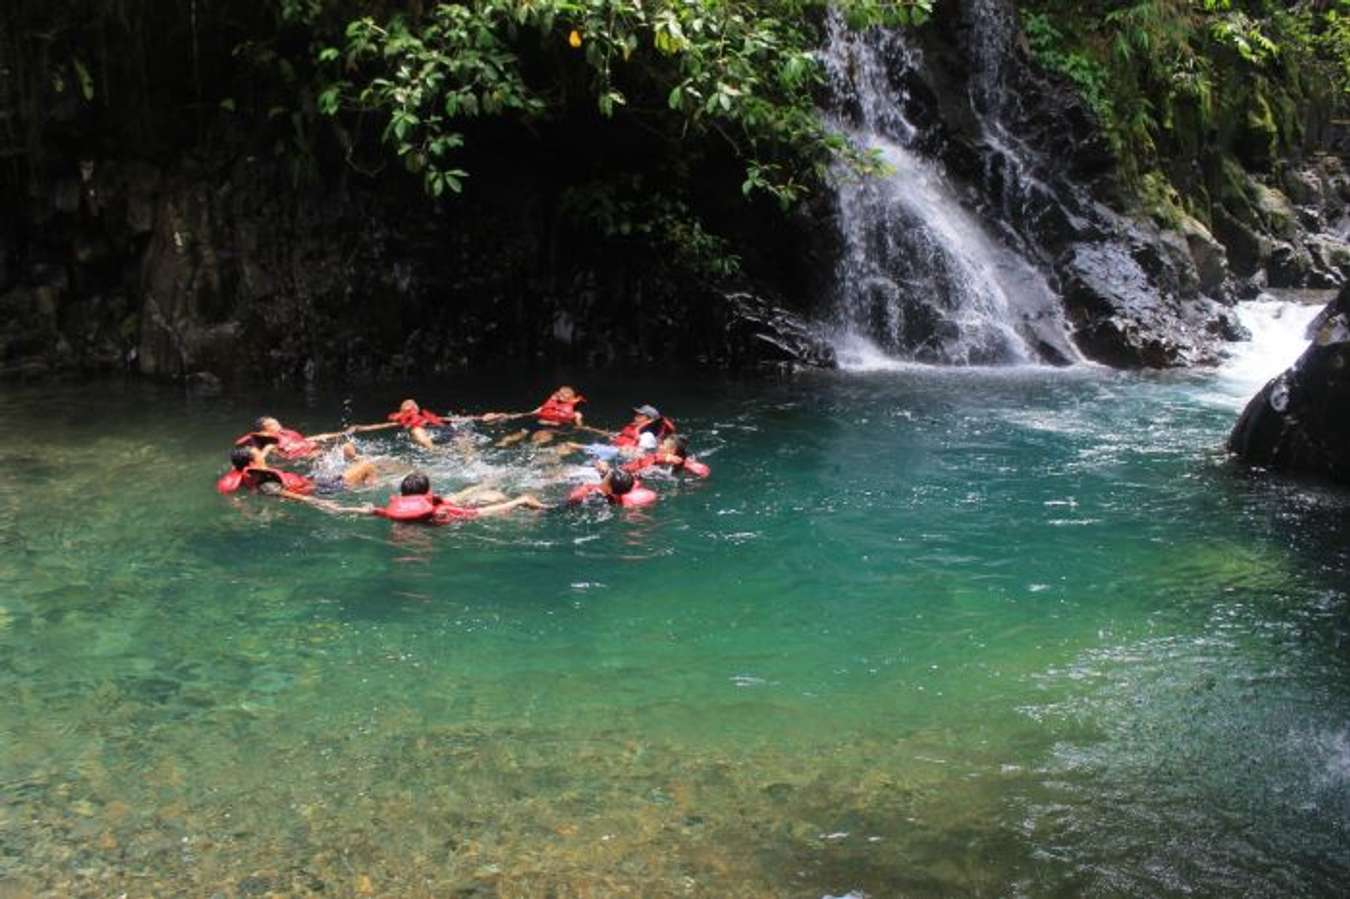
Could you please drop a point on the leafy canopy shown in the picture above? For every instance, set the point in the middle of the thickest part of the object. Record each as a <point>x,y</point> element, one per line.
<point>731,70</point>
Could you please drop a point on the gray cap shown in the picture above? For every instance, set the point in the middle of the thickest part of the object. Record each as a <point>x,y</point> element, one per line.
<point>649,411</point>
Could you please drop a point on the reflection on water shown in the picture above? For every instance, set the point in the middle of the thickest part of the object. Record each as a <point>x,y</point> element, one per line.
<point>922,633</point>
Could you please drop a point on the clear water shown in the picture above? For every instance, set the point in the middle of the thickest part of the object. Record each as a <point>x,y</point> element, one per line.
<point>924,632</point>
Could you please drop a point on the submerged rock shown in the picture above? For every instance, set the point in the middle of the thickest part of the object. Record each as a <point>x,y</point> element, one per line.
<point>1298,421</point>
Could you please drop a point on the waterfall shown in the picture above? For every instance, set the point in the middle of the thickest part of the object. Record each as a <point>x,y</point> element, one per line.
<point>922,276</point>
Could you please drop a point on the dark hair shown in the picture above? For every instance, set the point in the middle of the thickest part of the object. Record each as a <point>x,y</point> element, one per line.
<point>620,481</point>
<point>259,422</point>
<point>240,457</point>
<point>681,445</point>
<point>415,484</point>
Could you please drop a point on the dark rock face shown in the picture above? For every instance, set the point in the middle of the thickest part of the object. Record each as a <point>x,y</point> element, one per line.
<point>1300,421</point>
<point>762,333</point>
<point>1135,295</point>
<point>227,271</point>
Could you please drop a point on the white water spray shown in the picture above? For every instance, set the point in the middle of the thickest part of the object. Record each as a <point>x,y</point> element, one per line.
<point>1279,336</point>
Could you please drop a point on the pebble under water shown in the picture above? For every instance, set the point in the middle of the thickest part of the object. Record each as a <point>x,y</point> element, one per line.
<point>923,632</point>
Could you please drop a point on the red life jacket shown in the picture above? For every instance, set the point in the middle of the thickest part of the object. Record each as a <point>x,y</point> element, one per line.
<point>696,468</point>
<point>638,496</point>
<point>252,477</point>
<point>688,465</point>
<point>229,481</point>
<point>630,433</point>
<point>419,419</point>
<point>426,508</point>
<point>580,492</point>
<point>290,444</point>
<point>418,507</point>
<point>556,412</point>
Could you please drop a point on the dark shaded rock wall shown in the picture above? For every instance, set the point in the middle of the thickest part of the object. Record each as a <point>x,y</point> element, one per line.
<point>228,270</point>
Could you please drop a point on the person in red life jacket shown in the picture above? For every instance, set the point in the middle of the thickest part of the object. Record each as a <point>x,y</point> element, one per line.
<point>249,471</point>
<point>642,435</point>
<point>673,456</point>
<point>268,435</point>
<point>647,419</point>
<point>559,410</point>
<point>412,418</point>
<point>618,487</point>
<point>416,503</point>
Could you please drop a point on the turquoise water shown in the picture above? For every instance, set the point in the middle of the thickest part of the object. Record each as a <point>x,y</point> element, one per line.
<point>922,633</point>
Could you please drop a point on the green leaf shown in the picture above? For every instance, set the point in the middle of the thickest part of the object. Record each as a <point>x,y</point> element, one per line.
<point>86,80</point>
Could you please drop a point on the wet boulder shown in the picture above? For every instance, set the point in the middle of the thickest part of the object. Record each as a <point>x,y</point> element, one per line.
<point>1120,318</point>
<point>1298,421</point>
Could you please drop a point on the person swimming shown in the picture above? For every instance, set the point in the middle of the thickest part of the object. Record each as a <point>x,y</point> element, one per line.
<point>416,503</point>
<point>558,410</point>
<point>617,487</point>
<point>642,435</point>
<point>412,418</point>
<point>673,456</point>
<point>268,434</point>
<point>647,419</point>
<point>249,471</point>
<point>357,472</point>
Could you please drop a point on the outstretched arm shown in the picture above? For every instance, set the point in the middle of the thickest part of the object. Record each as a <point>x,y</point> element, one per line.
<point>382,426</point>
<point>320,438</point>
<point>326,505</point>
<point>526,501</point>
<point>506,416</point>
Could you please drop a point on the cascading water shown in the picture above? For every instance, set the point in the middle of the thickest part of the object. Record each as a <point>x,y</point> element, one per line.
<point>922,276</point>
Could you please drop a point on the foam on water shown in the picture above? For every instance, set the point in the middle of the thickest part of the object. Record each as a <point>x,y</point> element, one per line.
<point>1279,332</point>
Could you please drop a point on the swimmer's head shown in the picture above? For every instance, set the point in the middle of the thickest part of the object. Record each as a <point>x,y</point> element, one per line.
<point>645,414</point>
<point>241,457</point>
<point>349,451</point>
<point>647,441</point>
<point>619,481</point>
<point>675,445</point>
<point>270,488</point>
<point>565,394</point>
<point>267,425</point>
<point>408,406</point>
<point>415,484</point>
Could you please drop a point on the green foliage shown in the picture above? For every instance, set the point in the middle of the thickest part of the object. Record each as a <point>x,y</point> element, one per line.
<point>1169,78</point>
<point>626,209</point>
<point>1087,74</point>
<point>739,72</point>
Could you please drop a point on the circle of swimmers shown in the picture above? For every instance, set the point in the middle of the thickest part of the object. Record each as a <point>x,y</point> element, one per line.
<point>648,442</point>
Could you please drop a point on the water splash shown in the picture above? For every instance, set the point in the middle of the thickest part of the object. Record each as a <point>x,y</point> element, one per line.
<point>1279,332</point>
<point>922,276</point>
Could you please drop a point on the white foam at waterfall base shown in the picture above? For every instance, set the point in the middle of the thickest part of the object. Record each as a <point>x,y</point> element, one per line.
<point>1279,336</point>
